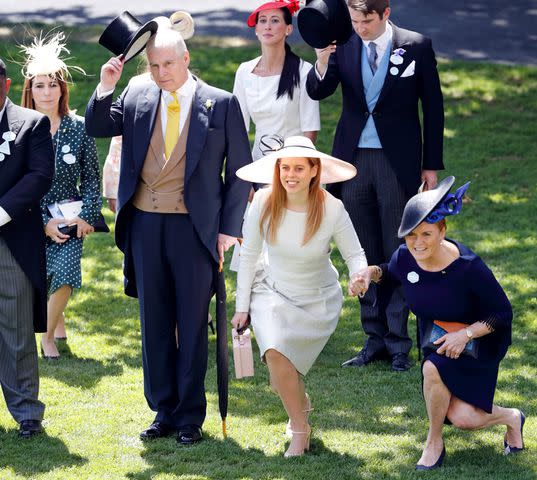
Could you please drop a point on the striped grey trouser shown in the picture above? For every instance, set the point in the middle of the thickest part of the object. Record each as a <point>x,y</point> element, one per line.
<point>375,200</point>
<point>18,353</point>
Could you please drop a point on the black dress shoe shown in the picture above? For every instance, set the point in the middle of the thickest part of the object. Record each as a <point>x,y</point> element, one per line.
<point>189,435</point>
<point>438,463</point>
<point>29,428</point>
<point>400,362</point>
<point>157,430</point>
<point>361,360</point>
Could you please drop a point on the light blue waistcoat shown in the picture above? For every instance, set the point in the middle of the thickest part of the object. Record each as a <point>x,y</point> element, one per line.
<point>372,88</point>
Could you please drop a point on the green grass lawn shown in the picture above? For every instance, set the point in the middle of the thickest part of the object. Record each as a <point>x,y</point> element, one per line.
<point>368,423</point>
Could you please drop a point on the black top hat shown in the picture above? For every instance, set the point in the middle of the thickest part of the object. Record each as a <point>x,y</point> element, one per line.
<point>422,204</point>
<point>321,22</point>
<point>127,36</point>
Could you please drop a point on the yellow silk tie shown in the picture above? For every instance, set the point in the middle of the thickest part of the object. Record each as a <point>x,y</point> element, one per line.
<point>172,126</point>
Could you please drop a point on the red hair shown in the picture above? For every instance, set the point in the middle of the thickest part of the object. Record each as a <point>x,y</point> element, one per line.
<point>275,205</point>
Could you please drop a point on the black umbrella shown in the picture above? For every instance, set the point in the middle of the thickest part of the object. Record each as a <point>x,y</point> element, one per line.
<point>221,346</point>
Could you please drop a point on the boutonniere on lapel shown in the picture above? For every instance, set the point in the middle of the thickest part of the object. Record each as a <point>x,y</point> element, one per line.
<point>397,59</point>
<point>209,104</point>
<point>8,136</point>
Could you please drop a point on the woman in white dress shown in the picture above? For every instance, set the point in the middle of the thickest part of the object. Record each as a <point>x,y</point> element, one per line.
<point>289,288</point>
<point>271,89</point>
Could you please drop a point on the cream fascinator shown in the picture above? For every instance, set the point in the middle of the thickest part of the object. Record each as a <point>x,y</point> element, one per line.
<point>43,57</point>
<point>179,21</point>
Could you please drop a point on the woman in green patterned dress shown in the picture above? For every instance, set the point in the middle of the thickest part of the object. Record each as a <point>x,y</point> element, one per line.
<point>77,177</point>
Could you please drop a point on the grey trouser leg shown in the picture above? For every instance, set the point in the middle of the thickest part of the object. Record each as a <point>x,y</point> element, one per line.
<point>375,201</point>
<point>18,353</point>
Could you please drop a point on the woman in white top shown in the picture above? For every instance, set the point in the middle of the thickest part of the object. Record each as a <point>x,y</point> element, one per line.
<point>271,89</point>
<point>290,289</point>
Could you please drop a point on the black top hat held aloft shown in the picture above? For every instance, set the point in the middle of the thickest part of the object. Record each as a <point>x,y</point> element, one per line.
<point>127,36</point>
<point>322,22</point>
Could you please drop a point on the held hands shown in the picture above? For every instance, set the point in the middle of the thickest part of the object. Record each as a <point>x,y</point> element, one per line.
<point>359,283</point>
<point>111,73</point>
<point>323,55</point>
<point>452,344</point>
<point>239,320</point>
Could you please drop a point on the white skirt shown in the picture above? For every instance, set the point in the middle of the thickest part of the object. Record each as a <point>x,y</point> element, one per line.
<point>296,324</point>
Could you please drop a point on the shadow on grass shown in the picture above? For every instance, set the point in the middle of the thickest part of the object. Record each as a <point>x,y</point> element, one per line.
<point>168,458</point>
<point>75,371</point>
<point>35,456</point>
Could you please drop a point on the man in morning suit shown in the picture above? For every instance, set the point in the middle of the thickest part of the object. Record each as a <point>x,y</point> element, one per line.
<point>385,72</point>
<point>176,215</point>
<point>26,172</point>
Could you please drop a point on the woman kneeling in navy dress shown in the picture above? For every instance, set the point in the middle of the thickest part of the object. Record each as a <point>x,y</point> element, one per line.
<point>464,320</point>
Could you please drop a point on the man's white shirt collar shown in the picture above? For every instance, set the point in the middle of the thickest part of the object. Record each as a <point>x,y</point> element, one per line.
<point>382,42</point>
<point>185,94</point>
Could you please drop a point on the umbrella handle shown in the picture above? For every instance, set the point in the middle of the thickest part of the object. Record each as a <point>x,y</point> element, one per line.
<point>224,428</point>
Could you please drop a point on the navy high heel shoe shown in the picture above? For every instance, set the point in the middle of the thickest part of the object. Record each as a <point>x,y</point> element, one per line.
<point>508,449</point>
<point>438,463</point>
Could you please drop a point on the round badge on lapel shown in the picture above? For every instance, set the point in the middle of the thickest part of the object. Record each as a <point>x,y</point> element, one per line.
<point>413,277</point>
<point>394,70</point>
<point>66,149</point>
<point>2,156</point>
<point>69,158</point>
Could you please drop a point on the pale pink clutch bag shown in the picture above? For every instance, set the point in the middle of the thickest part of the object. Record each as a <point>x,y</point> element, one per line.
<point>243,357</point>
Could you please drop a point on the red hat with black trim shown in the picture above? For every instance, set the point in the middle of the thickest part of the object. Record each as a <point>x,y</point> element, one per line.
<point>291,5</point>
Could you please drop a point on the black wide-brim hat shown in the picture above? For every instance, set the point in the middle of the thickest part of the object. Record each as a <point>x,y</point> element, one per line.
<point>127,36</point>
<point>322,22</point>
<point>422,204</point>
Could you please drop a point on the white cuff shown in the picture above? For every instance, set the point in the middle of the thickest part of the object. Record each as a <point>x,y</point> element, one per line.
<point>317,72</point>
<point>101,94</point>
<point>4,217</point>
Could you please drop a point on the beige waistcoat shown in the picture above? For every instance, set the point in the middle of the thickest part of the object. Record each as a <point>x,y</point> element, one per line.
<point>161,185</point>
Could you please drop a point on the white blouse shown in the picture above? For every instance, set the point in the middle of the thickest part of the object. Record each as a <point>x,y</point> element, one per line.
<point>282,116</point>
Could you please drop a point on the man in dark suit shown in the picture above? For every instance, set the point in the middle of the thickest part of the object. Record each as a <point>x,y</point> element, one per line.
<point>385,72</point>
<point>26,172</point>
<point>176,215</point>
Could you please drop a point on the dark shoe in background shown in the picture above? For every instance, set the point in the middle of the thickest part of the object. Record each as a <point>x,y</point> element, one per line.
<point>29,428</point>
<point>157,430</point>
<point>400,362</point>
<point>189,435</point>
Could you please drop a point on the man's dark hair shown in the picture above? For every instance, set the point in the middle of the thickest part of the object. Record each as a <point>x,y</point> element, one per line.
<point>367,7</point>
<point>3,71</point>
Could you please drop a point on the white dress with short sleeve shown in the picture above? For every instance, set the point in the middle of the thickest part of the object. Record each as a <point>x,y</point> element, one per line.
<point>282,116</point>
<point>292,291</point>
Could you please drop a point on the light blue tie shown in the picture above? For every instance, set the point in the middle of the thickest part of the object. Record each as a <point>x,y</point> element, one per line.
<point>372,57</point>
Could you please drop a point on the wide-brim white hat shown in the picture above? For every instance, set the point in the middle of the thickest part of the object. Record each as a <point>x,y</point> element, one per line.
<point>262,171</point>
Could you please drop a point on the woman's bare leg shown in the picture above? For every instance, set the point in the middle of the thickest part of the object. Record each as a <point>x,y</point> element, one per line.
<point>467,417</point>
<point>437,400</point>
<point>55,308</point>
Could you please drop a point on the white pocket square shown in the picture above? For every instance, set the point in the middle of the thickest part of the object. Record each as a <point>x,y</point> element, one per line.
<point>409,71</point>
